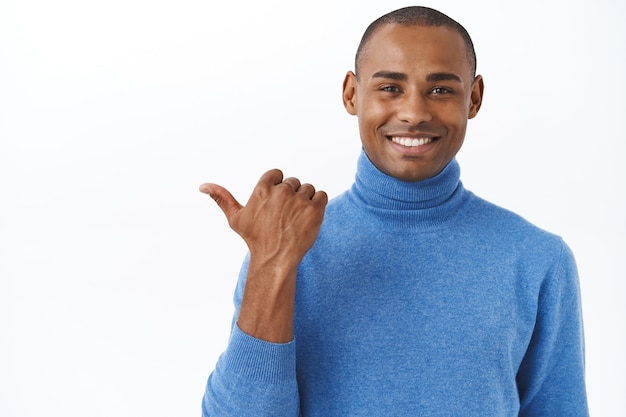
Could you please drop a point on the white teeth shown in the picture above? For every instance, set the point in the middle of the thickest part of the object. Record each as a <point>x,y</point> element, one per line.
<point>411,142</point>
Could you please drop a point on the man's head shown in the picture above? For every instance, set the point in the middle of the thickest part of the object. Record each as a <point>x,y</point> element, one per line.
<point>416,16</point>
<point>413,91</point>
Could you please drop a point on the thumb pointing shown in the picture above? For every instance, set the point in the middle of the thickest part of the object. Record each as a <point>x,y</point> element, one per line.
<point>224,199</point>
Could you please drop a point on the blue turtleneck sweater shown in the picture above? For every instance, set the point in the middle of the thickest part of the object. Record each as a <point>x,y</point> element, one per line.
<point>417,299</point>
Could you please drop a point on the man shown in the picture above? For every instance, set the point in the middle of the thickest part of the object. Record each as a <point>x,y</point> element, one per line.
<point>413,296</point>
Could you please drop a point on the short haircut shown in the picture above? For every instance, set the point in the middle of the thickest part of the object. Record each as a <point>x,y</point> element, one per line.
<point>416,16</point>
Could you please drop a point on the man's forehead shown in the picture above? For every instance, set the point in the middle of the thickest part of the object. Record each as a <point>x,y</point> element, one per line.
<point>417,36</point>
<point>392,44</point>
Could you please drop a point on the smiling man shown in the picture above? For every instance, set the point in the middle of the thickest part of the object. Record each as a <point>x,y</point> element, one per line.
<point>413,93</point>
<point>407,294</point>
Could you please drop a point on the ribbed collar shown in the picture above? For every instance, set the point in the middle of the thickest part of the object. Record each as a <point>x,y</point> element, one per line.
<point>433,200</point>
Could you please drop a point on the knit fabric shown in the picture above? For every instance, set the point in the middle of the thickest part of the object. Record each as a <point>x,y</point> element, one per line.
<point>417,299</point>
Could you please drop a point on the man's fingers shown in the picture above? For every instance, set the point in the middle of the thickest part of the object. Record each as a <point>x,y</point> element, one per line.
<point>273,177</point>
<point>293,182</point>
<point>223,198</point>
<point>320,197</point>
<point>307,189</point>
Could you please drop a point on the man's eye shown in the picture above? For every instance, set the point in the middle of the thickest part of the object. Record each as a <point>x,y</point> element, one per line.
<point>390,89</point>
<point>440,90</point>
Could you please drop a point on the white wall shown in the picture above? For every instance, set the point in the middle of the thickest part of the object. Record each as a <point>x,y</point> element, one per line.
<point>116,274</point>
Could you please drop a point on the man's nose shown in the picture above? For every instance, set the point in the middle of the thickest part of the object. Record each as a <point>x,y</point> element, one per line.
<point>414,109</point>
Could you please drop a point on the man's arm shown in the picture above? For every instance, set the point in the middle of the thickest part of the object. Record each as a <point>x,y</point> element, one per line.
<point>551,378</point>
<point>279,224</point>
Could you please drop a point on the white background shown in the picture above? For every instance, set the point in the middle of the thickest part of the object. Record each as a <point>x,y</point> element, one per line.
<point>116,274</point>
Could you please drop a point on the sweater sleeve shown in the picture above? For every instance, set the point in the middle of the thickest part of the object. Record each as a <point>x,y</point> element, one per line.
<point>252,377</point>
<point>551,379</point>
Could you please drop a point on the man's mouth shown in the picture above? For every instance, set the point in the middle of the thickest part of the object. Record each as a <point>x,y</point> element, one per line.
<point>410,142</point>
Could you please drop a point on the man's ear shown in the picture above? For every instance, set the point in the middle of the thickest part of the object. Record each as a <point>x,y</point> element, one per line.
<point>476,98</point>
<point>349,93</point>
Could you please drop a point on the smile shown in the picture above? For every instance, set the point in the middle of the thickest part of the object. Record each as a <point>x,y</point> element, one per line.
<point>410,142</point>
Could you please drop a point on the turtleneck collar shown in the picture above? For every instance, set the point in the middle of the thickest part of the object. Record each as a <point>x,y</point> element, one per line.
<point>433,199</point>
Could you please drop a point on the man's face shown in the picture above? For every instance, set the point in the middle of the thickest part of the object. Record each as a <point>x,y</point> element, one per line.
<point>414,94</point>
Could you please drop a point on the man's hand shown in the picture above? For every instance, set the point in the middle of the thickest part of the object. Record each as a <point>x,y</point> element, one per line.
<point>279,224</point>
<point>281,219</point>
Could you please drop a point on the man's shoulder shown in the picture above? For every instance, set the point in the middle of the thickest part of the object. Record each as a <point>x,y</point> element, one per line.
<point>508,223</point>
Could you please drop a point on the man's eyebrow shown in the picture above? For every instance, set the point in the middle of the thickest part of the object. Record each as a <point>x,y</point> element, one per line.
<point>443,76</point>
<point>434,77</point>
<point>398,76</point>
